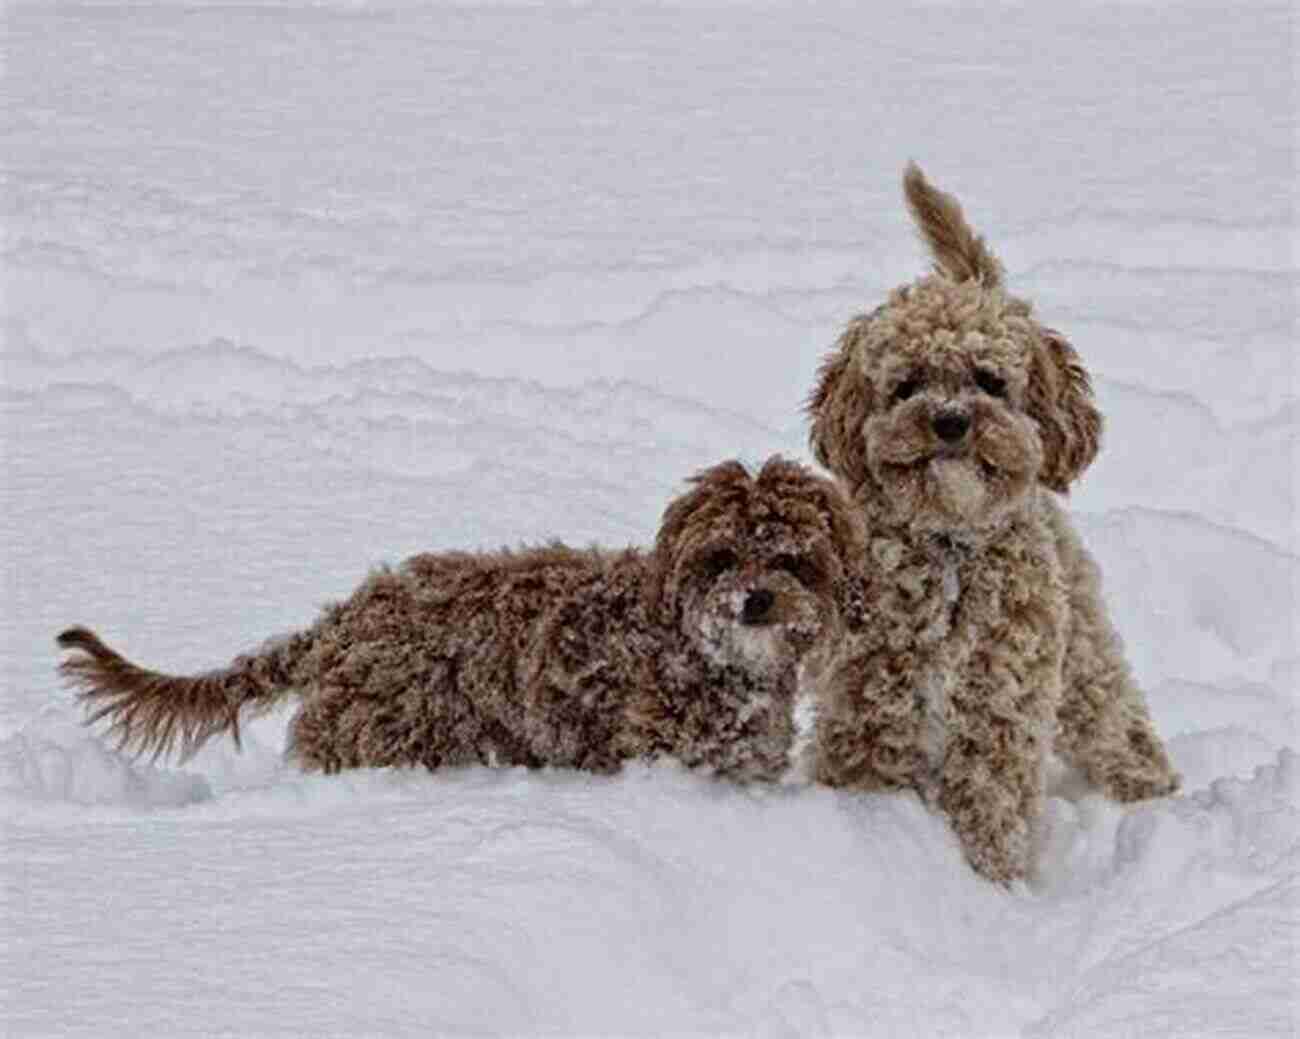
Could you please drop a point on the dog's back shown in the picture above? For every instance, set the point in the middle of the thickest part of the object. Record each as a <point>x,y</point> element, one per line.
<point>544,656</point>
<point>421,664</point>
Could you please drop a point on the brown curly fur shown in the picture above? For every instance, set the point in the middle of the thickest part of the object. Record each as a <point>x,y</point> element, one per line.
<point>980,637</point>
<point>698,649</point>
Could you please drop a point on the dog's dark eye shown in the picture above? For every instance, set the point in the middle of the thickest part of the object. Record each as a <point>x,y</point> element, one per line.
<point>717,561</point>
<point>906,388</point>
<point>801,568</point>
<point>993,385</point>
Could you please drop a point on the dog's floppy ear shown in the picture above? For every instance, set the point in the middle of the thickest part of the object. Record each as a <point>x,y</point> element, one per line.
<point>958,251</point>
<point>1059,397</point>
<point>711,489</point>
<point>848,526</point>
<point>838,407</point>
<point>843,519</point>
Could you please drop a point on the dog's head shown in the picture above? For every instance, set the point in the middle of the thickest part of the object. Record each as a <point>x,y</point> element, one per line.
<point>749,567</point>
<point>949,403</point>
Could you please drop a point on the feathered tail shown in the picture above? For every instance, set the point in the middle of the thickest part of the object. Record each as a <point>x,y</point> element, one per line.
<point>153,713</point>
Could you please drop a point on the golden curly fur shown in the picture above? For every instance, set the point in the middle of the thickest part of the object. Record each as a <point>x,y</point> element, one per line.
<point>699,649</point>
<point>982,642</point>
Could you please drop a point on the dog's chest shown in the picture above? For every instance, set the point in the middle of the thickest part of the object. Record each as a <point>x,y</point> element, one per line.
<point>957,609</point>
<point>912,603</point>
<point>943,597</point>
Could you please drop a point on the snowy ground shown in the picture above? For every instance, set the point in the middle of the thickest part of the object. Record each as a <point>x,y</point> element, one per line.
<point>291,289</point>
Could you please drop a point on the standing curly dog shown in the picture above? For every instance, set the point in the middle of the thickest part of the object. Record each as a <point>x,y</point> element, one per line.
<point>951,415</point>
<point>705,649</point>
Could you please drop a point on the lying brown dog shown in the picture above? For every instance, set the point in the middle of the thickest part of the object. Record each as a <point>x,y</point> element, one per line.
<point>699,649</point>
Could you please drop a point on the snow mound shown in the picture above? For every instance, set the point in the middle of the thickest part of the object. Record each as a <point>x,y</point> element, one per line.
<point>54,759</point>
<point>659,901</point>
<point>1239,825</point>
<point>1197,601</point>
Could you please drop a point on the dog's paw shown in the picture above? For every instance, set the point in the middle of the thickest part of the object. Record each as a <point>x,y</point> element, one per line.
<point>997,846</point>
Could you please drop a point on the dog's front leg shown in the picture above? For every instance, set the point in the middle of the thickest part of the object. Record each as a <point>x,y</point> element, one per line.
<point>990,784</point>
<point>1002,701</point>
<point>868,732</point>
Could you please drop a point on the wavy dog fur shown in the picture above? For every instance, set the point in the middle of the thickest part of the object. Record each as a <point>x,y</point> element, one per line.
<point>982,641</point>
<point>697,649</point>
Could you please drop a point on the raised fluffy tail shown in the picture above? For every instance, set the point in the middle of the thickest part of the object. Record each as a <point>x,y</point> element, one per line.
<point>957,250</point>
<point>152,713</point>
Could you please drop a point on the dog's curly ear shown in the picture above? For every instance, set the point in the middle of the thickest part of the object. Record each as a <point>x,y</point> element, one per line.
<point>959,253</point>
<point>1059,397</point>
<point>710,489</point>
<point>838,407</point>
<point>848,525</point>
<point>657,594</point>
<point>803,487</point>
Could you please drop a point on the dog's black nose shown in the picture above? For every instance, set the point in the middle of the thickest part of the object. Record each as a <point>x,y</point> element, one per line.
<point>757,603</point>
<point>951,425</point>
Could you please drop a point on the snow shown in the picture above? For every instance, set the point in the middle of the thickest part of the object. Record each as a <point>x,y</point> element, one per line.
<point>293,289</point>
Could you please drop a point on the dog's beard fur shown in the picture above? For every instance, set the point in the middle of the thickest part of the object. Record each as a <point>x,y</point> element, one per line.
<point>712,618</point>
<point>950,488</point>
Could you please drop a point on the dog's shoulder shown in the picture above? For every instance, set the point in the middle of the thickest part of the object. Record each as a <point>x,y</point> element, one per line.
<point>592,650</point>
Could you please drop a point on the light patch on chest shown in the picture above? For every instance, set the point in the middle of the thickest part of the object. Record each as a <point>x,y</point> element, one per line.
<point>759,702</point>
<point>936,684</point>
<point>801,757</point>
<point>951,583</point>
